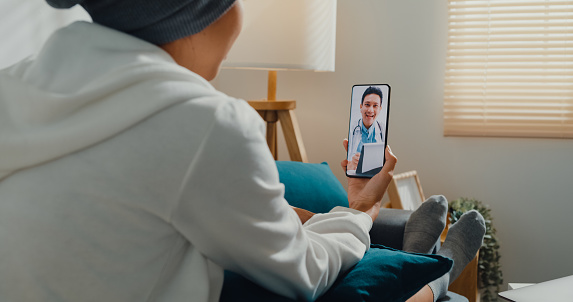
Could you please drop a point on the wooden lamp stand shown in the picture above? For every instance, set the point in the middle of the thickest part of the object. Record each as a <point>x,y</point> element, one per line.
<point>273,111</point>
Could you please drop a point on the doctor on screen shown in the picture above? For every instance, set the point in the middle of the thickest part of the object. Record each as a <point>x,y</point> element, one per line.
<point>367,129</point>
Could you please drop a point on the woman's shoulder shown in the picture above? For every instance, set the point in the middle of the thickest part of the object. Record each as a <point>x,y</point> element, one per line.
<point>225,114</point>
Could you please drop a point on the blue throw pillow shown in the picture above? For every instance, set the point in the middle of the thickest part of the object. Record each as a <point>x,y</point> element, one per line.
<point>312,187</point>
<point>238,288</point>
<point>384,274</point>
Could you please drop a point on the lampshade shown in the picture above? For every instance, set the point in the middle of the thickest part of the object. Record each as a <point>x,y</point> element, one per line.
<point>286,34</point>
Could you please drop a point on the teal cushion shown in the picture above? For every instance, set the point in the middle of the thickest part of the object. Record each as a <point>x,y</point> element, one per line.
<point>384,274</point>
<point>237,288</point>
<point>312,187</point>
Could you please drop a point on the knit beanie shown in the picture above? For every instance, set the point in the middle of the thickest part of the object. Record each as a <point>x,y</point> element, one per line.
<point>156,21</point>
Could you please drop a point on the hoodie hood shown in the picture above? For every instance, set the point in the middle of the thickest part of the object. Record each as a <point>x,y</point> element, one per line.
<point>87,84</point>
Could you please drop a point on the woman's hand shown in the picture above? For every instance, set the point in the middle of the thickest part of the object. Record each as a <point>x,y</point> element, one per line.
<point>366,194</point>
<point>353,164</point>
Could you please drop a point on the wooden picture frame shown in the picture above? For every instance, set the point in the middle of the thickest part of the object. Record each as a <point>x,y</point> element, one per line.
<point>405,191</point>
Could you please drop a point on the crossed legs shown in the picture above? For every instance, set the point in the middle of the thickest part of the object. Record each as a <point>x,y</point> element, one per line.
<point>463,241</point>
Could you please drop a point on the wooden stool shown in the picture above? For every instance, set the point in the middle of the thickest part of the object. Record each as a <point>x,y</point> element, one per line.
<point>273,111</point>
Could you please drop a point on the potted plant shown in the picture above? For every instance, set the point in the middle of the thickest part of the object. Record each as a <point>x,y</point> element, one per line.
<point>490,276</point>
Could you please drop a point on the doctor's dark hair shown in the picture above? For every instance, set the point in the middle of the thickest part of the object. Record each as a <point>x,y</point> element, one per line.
<point>372,90</point>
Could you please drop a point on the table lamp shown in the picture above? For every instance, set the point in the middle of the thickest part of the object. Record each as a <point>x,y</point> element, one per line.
<point>284,35</point>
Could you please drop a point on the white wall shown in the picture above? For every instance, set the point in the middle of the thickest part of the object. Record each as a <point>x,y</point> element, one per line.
<point>26,24</point>
<point>527,182</point>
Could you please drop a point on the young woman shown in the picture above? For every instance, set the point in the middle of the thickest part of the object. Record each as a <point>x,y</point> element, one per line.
<point>125,176</point>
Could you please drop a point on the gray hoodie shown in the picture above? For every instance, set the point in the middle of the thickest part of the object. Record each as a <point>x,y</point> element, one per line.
<point>129,178</point>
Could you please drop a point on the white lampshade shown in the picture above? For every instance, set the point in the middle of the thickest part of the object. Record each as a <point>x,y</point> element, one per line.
<point>286,34</point>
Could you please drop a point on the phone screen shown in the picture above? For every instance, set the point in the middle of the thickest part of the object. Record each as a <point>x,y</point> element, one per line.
<point>368,129</point>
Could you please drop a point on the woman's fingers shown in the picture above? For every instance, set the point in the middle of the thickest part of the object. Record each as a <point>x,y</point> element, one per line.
<point>391,160</point>
<point>343,164</point>
<point>383,178</point>
<point>378,184</point>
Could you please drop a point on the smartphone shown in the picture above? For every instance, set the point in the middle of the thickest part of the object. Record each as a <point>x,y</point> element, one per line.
<point>368,129</point>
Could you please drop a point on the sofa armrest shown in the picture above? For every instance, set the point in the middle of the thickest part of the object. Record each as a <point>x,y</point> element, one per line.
<point>388,228</point>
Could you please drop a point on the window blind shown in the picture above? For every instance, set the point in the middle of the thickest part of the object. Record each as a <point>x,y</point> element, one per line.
<point>509,69</point>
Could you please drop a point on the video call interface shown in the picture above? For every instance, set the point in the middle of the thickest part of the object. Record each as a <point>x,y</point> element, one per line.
<point>367,135</point>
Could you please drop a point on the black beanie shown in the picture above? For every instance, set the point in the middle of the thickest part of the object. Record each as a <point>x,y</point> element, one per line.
<point>156,21</point>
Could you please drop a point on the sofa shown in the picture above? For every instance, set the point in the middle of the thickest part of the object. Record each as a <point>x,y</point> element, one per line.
<point>384,274</point>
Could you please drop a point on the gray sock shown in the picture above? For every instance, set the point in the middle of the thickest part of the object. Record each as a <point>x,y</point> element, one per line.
<point>461,245</point>
<point>425,225</point>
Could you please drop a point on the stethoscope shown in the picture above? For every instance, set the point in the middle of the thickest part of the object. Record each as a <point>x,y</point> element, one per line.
<point>360,123</point>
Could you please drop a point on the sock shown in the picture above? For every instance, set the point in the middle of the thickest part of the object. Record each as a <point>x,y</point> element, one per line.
<point>425,225</point>
<point>461,245</point>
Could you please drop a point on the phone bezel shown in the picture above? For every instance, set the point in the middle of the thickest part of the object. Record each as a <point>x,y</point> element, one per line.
<point>385,130</point>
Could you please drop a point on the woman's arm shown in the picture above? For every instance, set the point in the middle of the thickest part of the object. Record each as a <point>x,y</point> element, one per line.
<point>232,209</point>
<point>303,214</point>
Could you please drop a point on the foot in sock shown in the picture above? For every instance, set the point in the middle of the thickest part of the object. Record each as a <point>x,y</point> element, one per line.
<point>461,245</point>
<point>425,225</point>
